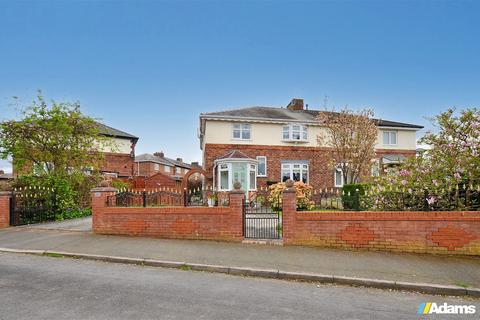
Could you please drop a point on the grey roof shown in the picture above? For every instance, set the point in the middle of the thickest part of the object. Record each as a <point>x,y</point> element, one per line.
<point>146,157</point>
<point>276,113</point>
<point>112,132</point>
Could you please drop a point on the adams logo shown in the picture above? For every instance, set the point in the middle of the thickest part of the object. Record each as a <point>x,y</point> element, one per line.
<point>434,308</point>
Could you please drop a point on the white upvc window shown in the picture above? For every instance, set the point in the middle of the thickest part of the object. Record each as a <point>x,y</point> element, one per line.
<point>252,179</point>
<point>295,171</point>
<point>178,170</point>
<point>241,131</point>
<point>167,168</point>
<point>295,132</point>
<point>389,138</point>
<point>338,177</point>
<point>156,167</point>
<point>224,177</point>
<point>262,166</point>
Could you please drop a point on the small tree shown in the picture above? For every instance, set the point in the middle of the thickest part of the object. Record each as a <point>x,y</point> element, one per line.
<point>351,136</point>
<point>52,147</point>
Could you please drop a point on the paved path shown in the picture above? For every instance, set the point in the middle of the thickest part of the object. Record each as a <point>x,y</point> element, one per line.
<point>376,265</point>
<point>33,287</point>
<point>80,224</point>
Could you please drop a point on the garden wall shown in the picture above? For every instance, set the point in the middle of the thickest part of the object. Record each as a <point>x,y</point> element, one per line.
<point>217,223</point>
<point>421,232</point>
<point>5,209</point>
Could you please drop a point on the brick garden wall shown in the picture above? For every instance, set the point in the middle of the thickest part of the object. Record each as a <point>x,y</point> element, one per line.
<point>218,223</point>
<point>420,232</point>
<point>5,209</point>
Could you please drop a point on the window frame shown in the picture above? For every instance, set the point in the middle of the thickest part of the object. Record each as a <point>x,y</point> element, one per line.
<point>302,132</point>
<point>156,167</point>
<point>258,174</point>
<point>241,130</point>
<point>166,168</point>
<point>291,167</point>
<point>228,169</point>
<point>389,134</point>
<point>335,178</point>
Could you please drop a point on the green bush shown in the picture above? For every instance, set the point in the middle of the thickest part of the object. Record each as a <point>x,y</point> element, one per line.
<point>351,195</point>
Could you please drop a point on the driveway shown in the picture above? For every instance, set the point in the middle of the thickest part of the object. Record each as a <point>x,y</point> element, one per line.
<point>80,224</point>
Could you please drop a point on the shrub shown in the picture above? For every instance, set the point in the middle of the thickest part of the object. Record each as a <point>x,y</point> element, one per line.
<point>351,195</point>
<point>303,194</point>
<point>120,185</point>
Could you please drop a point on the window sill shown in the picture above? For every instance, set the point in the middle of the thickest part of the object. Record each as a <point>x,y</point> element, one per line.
<point>301,141</point>
<point>234,139</point>
<point>259,176</point>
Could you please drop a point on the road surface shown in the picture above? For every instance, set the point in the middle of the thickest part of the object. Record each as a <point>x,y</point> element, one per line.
<point>35,287</point>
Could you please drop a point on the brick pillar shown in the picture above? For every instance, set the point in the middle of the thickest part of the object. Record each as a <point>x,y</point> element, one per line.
<point>289,214</point>
<point>99,203</point>
<point>5,197</point>
<point>237,197</point>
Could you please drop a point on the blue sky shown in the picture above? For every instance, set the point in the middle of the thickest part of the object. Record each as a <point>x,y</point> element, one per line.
<point>150,67</point>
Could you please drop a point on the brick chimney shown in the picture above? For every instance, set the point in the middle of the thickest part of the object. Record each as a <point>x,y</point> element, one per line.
<point>295,104</point>
<point>2,172</point>
<point>159,154</point>
<point>195,164</point>
<point>179,159</point>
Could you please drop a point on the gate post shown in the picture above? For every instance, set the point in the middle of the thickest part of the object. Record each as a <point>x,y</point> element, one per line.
<point>289,212</point>
<point>99,203</point>
<point>5,198</point>
<point>236,202</point>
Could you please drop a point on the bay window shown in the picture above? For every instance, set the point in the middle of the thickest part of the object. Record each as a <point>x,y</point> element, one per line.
<point>295,171</point>
<point>233,171</point>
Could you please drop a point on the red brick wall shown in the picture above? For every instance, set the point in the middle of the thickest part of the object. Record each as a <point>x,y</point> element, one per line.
<point>156,181</point>
<point>219,223</point>
<point>4,209</point>
<point>321,176</point>
<point>121,163</point>
<point>420,232</point>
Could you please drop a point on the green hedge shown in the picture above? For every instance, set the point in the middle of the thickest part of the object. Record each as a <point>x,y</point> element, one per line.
<point>351,194</point>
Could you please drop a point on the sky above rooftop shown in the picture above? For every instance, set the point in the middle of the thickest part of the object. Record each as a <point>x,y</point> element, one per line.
<point>150,67</point>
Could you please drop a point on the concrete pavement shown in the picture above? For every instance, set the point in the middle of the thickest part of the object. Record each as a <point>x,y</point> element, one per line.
<point>50,288</point>
<point>374,265</point>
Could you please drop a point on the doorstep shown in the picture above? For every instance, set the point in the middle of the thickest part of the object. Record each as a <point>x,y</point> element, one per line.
<point>275,242</point>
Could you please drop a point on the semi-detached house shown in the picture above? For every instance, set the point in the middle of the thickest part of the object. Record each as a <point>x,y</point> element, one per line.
<point>259,146</point>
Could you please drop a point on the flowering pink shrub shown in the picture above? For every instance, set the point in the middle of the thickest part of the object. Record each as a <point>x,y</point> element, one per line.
<point>303,193</point>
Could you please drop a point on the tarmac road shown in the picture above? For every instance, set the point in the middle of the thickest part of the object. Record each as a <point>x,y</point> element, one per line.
<point>35,287</point>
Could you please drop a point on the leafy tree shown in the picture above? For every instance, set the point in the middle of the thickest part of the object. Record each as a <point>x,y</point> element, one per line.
<point>351,136</point>
<point>446,176</point>
<point>55,147</point>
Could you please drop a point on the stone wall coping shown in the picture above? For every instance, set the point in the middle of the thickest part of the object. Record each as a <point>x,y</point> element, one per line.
<point>104,189</point>
<point>5,193</point>
<point>289,190</point>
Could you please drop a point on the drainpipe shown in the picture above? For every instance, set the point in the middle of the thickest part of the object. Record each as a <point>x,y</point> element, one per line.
<point>214,170</point>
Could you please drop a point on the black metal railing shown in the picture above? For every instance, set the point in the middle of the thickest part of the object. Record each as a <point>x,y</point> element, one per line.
<point>151,198</point>
<point>32,205</point>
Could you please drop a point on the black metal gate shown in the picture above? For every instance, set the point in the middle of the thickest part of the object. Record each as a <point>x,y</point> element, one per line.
<point>28,209</point>
<point>262,220</point>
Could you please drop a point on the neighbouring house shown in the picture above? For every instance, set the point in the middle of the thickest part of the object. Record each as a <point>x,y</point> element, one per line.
<point>259,146</point>
<point>156,170</point>
<point>119,160</point>
<point>118,156</point>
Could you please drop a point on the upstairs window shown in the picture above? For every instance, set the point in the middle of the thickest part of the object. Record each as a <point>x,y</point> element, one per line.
<point>389,138</point>
<point>242,131</point>
<point>295,132</point>
<point>178,170</point>
<point>167,168</point>
<point>156,167</point>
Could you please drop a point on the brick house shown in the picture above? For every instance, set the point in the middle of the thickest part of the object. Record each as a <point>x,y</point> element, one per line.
<point>259,146</point>
<point>118,157</point>
<point>119,160</point>
<point>147,165</point>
